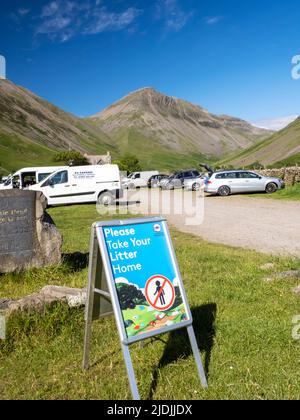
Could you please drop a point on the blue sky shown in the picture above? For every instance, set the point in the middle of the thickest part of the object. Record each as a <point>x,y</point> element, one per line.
<point>230,56</point>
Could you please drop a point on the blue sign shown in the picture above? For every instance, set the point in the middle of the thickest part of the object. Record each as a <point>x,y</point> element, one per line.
<point>146,277</point>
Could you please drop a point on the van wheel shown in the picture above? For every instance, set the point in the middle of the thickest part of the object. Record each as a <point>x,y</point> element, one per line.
<point>196,187</point>
<point>271,188</point>
<point>105,199</point>
<point>224,191</point>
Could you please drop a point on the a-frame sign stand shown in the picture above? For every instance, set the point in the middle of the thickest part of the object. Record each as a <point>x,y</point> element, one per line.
<point>102,299</point>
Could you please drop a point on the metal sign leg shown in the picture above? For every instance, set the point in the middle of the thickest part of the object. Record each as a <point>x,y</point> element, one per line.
<point>87,341</point>
<point>197,357</point>
<point>90,300</point>
<point>130,372</point>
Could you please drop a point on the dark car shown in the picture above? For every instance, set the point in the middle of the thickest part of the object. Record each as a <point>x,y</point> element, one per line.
<point>155,180</point>
<point>178,179</point>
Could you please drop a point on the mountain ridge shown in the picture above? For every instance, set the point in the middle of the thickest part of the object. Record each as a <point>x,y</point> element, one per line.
<point>176,124</point>
<point>163,131</point>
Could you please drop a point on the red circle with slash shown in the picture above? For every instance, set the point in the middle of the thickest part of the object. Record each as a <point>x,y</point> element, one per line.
<point>160,296</point>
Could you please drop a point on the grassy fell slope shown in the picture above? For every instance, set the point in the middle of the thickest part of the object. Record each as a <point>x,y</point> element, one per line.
<point>32,129</point>
<point>282,147</point>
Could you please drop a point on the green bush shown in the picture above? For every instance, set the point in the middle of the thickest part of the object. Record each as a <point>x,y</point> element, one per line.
<point>129,163</point>
<point>71,158</point>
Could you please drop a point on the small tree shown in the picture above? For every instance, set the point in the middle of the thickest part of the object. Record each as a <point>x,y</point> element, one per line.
<point>71,158</point>
<point>129,296</point>
<point>129,163</point>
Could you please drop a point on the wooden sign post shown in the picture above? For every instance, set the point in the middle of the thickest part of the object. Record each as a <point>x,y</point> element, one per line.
<point>134,274</point>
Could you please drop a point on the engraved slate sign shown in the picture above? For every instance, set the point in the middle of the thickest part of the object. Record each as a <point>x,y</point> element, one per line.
<point>26,240</point>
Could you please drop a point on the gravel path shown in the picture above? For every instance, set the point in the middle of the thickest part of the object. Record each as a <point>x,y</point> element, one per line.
<point>265,225</point>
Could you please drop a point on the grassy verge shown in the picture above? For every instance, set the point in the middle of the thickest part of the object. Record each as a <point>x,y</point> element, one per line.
<point>289,193</point>
<point>243,325</point>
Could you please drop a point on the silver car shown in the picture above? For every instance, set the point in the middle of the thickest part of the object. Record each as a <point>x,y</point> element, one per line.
<point>225,183</point>
<point>195,184</point>
<point>178,179</point>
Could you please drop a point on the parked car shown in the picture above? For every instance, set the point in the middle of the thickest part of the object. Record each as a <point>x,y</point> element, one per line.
<point>178,179</point>
<point>195,184</point>
<point>82,184</point>
<point>155,180</point>
<point>225,183</point>
<point>138,179</point>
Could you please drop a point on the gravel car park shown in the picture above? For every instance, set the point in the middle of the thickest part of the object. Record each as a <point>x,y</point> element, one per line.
<point>225,183</point>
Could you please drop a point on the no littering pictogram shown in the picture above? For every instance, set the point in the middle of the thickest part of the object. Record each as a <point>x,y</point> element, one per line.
<point>160,293</point>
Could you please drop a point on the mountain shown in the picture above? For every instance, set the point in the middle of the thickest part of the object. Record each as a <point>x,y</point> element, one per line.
<point>32,130</point>
<point>164,132</point>
<point>281,148</point>
<point>167,130</point>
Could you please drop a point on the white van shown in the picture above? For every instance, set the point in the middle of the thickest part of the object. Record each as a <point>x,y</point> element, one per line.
<point>82,184</point>
<point>27,177</point>
<point>138,179</point>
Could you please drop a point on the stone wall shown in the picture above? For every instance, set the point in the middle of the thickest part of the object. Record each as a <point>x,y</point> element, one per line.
<point>291,176</point>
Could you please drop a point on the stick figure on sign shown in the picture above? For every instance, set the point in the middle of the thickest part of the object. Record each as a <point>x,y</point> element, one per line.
<point>160,292</point>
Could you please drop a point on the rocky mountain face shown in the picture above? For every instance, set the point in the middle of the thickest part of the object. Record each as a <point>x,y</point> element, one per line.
<point>175,124</point>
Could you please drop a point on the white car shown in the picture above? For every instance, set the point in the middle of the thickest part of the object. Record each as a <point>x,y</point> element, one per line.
<point>225,183</point>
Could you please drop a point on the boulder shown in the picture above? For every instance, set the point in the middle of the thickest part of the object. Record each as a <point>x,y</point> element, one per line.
<point>28,235</point>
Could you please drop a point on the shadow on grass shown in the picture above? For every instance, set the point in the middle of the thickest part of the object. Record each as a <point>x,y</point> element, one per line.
<point>178,345</point>
<point>76,261</point>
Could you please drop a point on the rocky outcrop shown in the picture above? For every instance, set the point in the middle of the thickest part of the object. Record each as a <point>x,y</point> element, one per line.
<point>48,296</point>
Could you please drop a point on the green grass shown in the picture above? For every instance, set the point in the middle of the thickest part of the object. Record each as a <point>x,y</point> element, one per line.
<point>288,162</point>
<point>17,152</point>
<point>243,325</point>
<point>153,155</point>
<point>289,193</point>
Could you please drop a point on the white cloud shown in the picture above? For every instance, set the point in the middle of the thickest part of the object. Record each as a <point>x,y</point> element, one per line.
<point>103,20</point>
<point>174,17</point>
<point>19,15</point>
<point>275,124</point>
<point>213,20</point>
<point>176,282</point>
<point>62,20</point>
<point>50,9</point>
<point>23,12</point>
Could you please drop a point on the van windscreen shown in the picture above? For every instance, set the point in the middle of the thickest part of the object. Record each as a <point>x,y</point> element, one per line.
<point>41,177</point>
